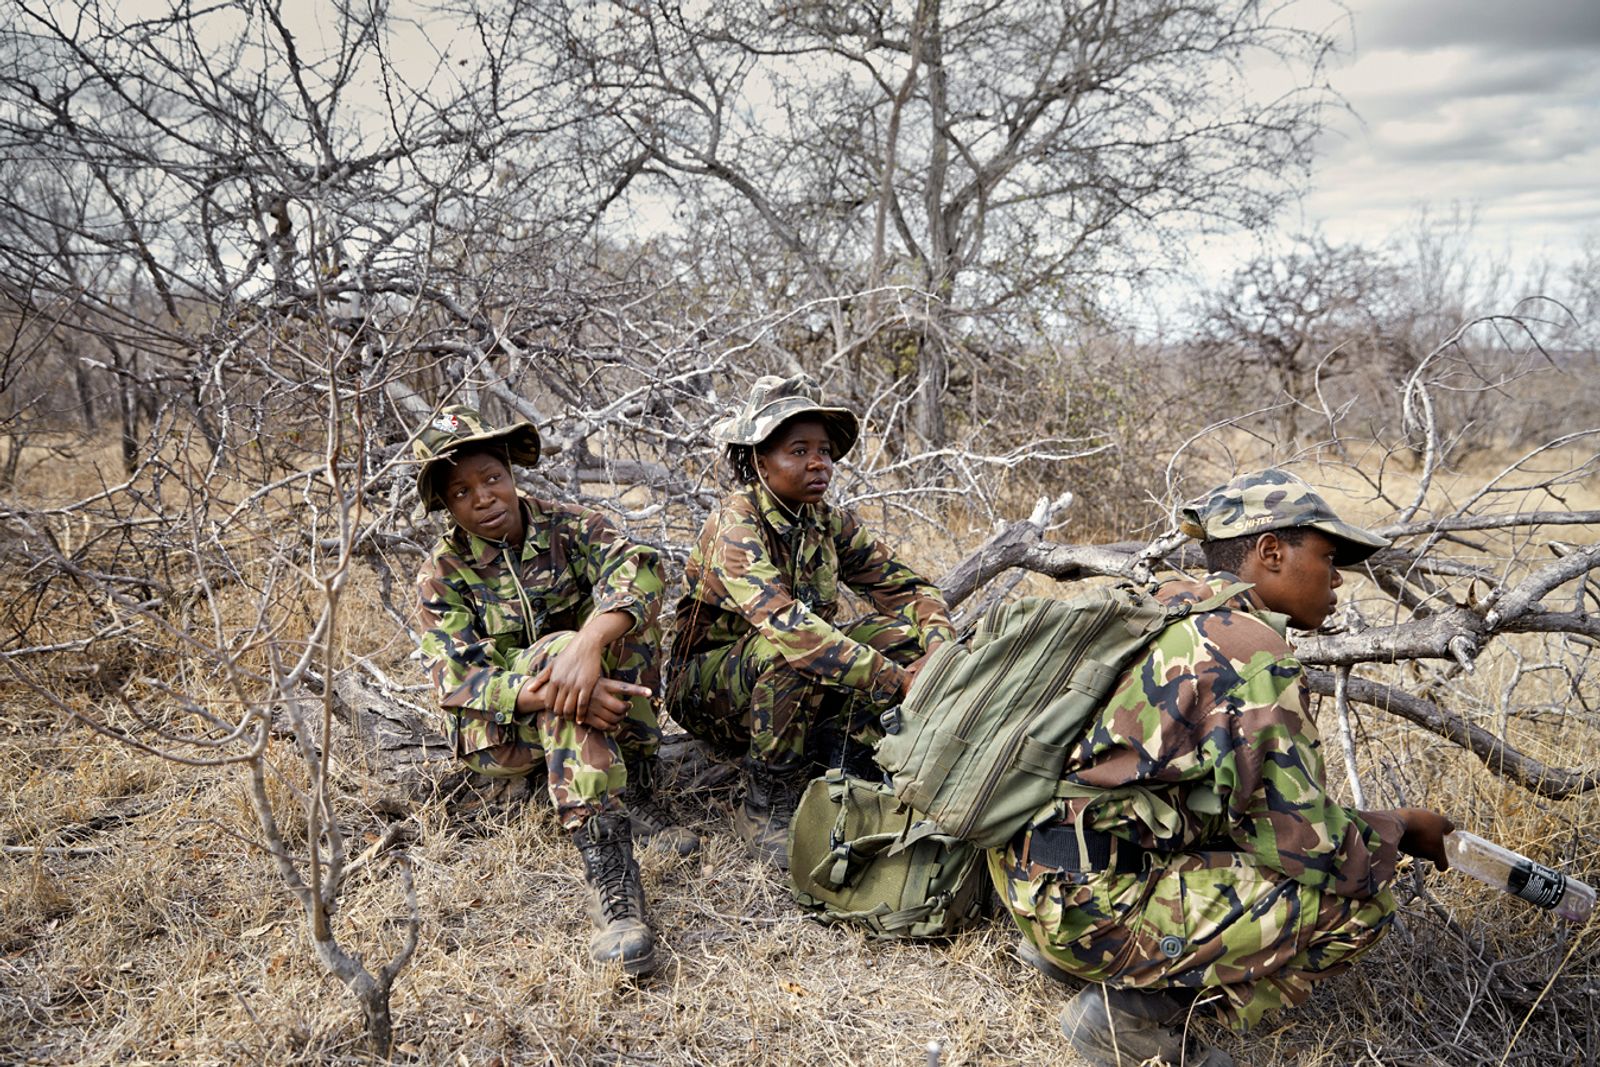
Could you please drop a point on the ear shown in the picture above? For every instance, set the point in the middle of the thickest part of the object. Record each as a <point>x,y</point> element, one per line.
<point>1269,552</point>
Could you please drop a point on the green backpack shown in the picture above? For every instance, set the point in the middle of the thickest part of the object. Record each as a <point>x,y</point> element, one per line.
<point>848,862</point>
<point>979,743</point>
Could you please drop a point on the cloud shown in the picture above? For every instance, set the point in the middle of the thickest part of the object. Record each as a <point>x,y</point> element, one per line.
<point>1546,25</point>
<point>1381,82</point>
<point>1495,106</point>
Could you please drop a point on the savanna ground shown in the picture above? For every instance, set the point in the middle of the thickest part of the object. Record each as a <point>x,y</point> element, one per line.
<point>140,921</point>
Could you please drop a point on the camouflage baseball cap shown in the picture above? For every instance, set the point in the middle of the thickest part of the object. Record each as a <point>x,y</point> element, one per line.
<point>456,427</point>
<point>772,400</point>
<point>1274,500</point>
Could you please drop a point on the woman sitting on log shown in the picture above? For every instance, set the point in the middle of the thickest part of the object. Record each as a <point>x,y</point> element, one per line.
<point>539,633</point>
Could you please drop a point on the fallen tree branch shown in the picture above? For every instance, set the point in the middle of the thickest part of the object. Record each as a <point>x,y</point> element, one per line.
<point>1553,782</point>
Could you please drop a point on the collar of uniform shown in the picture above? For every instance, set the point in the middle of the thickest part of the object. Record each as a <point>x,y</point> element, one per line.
<point>1245,601</point>
<point>1250,601</point>
<point>777,516</point>
<point>535,535</point>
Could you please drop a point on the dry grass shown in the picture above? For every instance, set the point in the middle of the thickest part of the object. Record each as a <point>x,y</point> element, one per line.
<point>158,932</point>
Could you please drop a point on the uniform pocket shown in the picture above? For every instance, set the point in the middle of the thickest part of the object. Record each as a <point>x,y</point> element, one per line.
<point>504,624</point>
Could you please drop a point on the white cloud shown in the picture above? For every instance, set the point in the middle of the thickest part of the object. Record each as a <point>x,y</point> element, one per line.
<point>1542,25</point>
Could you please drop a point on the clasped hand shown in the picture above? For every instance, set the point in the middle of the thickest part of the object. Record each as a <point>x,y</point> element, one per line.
<point>574,686</point>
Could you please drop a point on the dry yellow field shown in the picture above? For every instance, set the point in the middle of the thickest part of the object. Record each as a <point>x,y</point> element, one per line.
<point>140,921</point>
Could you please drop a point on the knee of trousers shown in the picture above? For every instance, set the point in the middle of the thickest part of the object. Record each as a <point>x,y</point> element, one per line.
<point>510,760</point>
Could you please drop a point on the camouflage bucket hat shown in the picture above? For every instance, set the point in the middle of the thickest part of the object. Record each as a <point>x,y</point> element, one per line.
<point>773,400</point>
<point>457,427</point>
<point>1274,500</point>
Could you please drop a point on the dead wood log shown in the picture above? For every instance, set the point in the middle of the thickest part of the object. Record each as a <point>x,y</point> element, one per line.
<point>1554,782</point>
<point>393,738</point>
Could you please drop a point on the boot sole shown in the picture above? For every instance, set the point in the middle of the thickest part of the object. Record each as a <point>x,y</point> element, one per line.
<point>642,967</point>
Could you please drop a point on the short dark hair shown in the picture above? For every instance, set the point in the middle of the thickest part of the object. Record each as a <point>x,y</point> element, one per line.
<point>1229,553</point>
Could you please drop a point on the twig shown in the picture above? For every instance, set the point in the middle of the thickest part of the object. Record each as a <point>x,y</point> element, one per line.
<point>1347,743</point>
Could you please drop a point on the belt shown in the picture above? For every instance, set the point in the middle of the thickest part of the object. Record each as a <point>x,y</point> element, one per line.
<point>1056,845</point>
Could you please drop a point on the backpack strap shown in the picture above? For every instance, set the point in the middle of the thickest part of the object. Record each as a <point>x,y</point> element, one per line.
<point>1221,597</point>
<point>1159,816</point>
<point>846,858</point>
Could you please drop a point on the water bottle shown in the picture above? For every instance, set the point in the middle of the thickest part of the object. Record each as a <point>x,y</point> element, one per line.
<point>1518,875</point>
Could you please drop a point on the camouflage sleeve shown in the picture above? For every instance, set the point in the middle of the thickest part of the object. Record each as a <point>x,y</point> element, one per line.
<point>741,574</point>
<point>624,576</point>
<point>1269,769</point>
<point>466,668</point>
<point>871,568</point>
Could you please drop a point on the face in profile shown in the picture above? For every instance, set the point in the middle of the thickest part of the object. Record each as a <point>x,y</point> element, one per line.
<point>796,462</point>
<point>482,498</point>
<point>1296,579</point>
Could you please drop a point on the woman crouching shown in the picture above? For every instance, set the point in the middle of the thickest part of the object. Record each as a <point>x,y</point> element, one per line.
<point>759,668</point>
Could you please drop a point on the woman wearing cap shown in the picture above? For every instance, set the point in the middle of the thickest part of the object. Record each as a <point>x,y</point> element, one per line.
<point>539,630</point>
<point>1195,863</point>
<point>760,665</point>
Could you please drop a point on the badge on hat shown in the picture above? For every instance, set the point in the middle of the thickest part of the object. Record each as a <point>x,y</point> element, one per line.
<point>447,423</point>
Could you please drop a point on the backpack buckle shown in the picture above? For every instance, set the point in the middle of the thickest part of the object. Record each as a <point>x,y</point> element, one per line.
<point>890,719</point>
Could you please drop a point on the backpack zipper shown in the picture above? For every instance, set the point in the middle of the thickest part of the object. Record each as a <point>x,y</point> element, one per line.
<point>935,670</point>
<point>1013,654</point>
<point>1014,742</point>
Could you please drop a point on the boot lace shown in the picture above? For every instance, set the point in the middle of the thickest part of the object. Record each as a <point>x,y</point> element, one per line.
<point>611,874</point>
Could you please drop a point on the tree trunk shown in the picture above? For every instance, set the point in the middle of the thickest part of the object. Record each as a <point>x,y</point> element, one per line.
<point>933,369</point>
<point>85,387</point>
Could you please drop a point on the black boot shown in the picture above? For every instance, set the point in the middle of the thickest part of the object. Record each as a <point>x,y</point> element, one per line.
<point>652,822</point>
<point>616,900</point>
<point>770,797</point>
<point>1034,957</point>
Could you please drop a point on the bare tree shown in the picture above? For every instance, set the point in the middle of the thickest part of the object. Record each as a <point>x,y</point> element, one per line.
<point>167,591</point>
<point>1303,316</point>
<point>938,171</point>
<point>204,217</point>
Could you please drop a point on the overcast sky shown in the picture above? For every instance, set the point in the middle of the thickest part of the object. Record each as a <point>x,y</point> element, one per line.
<point>1493,104</point>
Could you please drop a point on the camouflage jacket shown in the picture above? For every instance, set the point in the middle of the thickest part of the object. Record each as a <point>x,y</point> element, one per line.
<point>480,605</point>
<point>1207,741</point>
<point>756,569</point>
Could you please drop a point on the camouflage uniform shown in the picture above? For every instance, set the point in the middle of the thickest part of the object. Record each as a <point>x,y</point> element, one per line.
<point>494,613</point>
<point>1256,881</point>
<point>757,656</point>
<point>492,617</point>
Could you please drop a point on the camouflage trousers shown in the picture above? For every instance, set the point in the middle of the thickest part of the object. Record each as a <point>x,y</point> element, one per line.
<point>1203,921</point>
<point>585,768</point>
<point>745,697</point>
